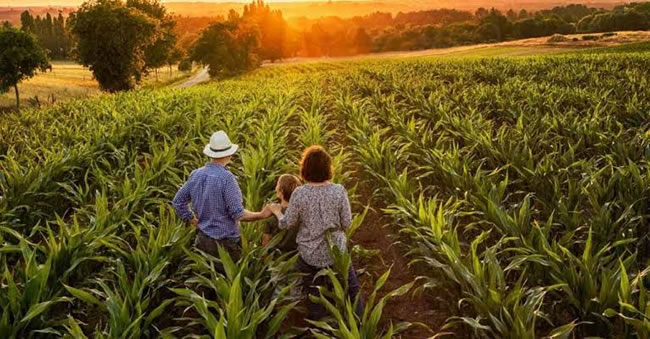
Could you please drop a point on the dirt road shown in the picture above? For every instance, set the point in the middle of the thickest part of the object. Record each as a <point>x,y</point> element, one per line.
<point>200,77</point>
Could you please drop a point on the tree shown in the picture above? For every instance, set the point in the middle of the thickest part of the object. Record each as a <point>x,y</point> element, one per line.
<point>362,41</point>
<point>271,29</point>
<point>20,58</point>
<point>494,26</point>
<point>175,56</point>
<point>112,40</point>
<point>159,53</point>
<point>523,14</point>
<point>481,13</point>
<point>27,22</point>
<point>52,33</point>
<point>185,65</point>
<point>512,15</point>
<point>227,49</point>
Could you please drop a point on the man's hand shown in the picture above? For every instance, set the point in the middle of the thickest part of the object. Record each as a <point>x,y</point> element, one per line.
<point>266,212</point>
<point>195,222</point>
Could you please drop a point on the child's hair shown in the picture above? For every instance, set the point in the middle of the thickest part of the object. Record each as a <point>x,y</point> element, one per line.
<point>287,184</point>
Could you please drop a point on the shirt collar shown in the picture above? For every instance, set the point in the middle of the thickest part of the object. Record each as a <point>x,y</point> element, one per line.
<point>213,165</point>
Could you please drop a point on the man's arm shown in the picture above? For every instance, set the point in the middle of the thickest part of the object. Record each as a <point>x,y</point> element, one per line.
<point>233,198</point>
<point>182,200</point>
<point>255,216</point>
<point>234,203</point>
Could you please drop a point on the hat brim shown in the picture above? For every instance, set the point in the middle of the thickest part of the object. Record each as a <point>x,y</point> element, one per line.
<point>216,155</point>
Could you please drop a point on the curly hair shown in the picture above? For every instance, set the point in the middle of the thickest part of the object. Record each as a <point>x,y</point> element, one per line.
<point>316,164</point>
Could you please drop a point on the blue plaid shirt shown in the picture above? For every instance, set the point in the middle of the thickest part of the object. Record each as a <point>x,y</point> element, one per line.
<point>216,200</point>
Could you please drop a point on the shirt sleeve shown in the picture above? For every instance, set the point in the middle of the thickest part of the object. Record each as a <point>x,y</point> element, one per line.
<point>232,196</point>
<point>345,211</point>
<point>182,200</point>
<point>291,217</point>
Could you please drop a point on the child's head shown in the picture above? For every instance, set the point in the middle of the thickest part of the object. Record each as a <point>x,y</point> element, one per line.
<point>287,183</point>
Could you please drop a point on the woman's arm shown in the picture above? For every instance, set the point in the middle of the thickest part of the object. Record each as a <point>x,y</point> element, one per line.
<point>345,211</point>
<point>292,217</point>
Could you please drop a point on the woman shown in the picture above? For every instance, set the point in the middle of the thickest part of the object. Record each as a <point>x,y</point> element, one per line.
<point>318,208</point>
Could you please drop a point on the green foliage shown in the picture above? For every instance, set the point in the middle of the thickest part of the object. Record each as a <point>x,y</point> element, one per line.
<point>249,303</point>
<point>271,29</point>
<point>27,296</point>
<point>162,51</point>
<point>51,32</point>
<point>502,196</point>
<point>20,58</point>
<point>344,322</point>
<point>112,40</point>
<point>226,48</point>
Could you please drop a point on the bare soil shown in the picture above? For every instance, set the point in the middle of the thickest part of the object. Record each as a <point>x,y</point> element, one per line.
<point>377,234</point>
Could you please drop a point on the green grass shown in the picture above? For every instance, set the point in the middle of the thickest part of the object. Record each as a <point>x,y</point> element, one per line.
<point>66,81</point>
<point>69,81</point>
<point>518,188</point>
<point>639,47</point>
<point>508,51</point>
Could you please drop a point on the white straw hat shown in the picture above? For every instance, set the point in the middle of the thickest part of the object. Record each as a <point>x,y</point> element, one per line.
<point>220,146</point>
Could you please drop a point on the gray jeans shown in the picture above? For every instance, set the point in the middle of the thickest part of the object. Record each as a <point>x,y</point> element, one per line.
<point>211,246</point>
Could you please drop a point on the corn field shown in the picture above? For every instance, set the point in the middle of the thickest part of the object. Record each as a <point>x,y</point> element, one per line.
<point>517,188</point>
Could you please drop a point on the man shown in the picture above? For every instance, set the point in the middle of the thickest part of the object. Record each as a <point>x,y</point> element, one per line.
<point>217,206</point>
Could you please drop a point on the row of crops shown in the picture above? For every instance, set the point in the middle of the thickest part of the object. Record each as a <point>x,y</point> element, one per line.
<point>518,188</point>
<point>92,248</point>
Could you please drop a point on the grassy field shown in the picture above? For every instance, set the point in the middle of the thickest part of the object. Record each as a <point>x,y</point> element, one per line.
<point>514,189</point>
<point>66,81</point>
<point>69,81</point>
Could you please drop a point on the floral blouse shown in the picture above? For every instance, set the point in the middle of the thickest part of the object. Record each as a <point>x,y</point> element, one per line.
<point>318,210</point>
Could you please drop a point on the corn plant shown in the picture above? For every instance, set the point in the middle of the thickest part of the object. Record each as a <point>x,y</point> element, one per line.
<point>344,321</point>
<point>26,297</point>
<point>633,304</point>
<point>245,305</point>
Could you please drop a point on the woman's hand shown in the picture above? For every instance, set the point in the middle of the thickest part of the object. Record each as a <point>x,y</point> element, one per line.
<point>275,209</point>
<point>195,222</point>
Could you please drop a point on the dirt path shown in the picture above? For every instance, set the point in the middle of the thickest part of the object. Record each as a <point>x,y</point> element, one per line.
<point>200,77</point>
<point>377,234</point>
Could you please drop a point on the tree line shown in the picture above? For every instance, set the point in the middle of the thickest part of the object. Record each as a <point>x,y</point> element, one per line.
<point>51,33</point>
<point>381,32</point>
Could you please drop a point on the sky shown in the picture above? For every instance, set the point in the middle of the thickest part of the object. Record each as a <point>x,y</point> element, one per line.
<point>25,3</point>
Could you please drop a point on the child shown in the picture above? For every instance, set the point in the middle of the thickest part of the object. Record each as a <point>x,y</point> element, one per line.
<point>287,183</point>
